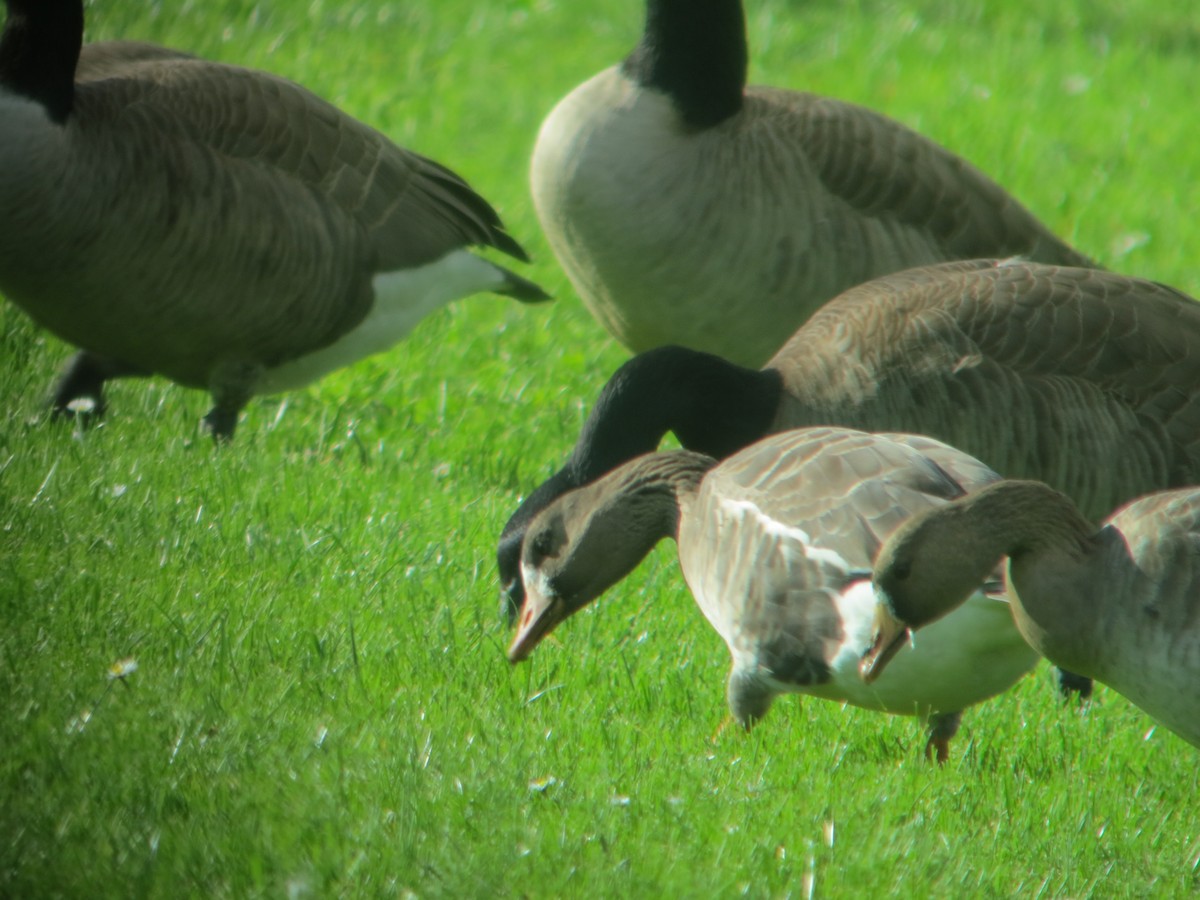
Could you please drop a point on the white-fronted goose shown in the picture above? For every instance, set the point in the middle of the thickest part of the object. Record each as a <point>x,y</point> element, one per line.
<point>1120,604</point>
<point>1078,377</point>
<point>776,544</point>
<point>219,226</point>
<point>689,209</point>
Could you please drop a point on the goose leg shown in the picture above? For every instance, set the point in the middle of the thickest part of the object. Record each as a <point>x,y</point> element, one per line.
<point>942,727</point>
<point>83,377</point>
<point>231,385</point>
<point>1074,687</point>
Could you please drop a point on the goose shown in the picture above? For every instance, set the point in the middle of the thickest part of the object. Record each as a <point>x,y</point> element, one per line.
<point>220,226</point>
<point>1082,378</point>
<point>776,544</point>
<point>1120,603</point>
<point>687,208</point>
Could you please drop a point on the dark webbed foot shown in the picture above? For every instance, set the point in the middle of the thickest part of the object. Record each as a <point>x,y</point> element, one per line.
<point>942,727</point>
<point>80,386</point>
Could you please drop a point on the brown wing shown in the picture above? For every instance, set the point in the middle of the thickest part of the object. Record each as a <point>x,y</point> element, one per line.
<point>797,517</point>
<point>848,489</point>
<point>894,175</point>
<point>414,209</point>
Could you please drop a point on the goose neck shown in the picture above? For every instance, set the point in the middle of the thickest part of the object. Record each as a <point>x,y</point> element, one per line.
<point>695,52</point>
<point>713,406</point>
<point>1030,518</point>
<point>39,49</point>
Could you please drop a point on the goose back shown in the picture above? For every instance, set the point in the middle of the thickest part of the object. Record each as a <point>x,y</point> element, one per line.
<point>1077,377</point>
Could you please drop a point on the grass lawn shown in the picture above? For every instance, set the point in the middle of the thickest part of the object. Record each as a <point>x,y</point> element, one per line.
<point>321,705</point>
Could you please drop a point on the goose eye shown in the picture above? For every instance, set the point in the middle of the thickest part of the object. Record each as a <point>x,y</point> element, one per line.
<point>901,569</point>
<point>541,546</point>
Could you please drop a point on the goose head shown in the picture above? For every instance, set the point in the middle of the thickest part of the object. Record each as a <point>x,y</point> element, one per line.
<point>932,563</point>
<point>919,576</point>
<point>589,539</point>
<point>713,406</point>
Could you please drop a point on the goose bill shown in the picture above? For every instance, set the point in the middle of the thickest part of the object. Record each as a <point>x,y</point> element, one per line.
<point>539,615</point>
<point>888,637</point>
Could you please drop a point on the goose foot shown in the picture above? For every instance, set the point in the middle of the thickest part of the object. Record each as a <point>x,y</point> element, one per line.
<point>232,385</point>
<point>79,391</point>
<point>1074,687</point>
<point>221,422</point>
<point>942,727</point>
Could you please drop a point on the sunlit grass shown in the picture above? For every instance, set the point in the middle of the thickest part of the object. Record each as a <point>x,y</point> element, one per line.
<point>321,705</point>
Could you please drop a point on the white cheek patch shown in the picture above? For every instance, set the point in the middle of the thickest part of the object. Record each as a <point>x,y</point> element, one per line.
<point>822,555</point>
<point>537,585</point>
<point>402,300</point>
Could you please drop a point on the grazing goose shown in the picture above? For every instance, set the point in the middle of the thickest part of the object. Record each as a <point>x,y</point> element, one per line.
<point>219,226</point>
<point>776,544</point>
<point>689,209</point>
<point>1120,604</point>
<point>1079,377</point>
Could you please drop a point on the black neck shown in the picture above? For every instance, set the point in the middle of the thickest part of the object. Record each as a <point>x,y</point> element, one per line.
<point>694,51</point>
<point>39,49</point>
<point>711,405</point>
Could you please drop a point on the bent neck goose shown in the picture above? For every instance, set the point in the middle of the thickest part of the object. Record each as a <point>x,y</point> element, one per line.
<point>1078,377</point>
<point>1120,603</point>
<point>776,544</point>
<point>219,226</point>
<point>687,208</point>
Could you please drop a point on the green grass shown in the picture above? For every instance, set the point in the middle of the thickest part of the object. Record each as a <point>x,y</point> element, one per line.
<point>322,706</point>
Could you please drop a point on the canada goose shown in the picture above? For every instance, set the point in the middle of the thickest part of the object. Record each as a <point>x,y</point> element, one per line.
<point>1120,603</point>
<point>689,209</point>
<point>1080,377</point>
<point>776,544</point>
<point>219,226</point>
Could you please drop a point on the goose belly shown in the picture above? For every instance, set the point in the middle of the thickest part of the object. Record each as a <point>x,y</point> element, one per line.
<point>1160,675</point>
<point>964,658</point>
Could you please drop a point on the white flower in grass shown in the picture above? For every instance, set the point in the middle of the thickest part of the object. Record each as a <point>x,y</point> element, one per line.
<point>541,785</point>
<point>82,405</point>
<point>122,668</point>
<point>620,800</point>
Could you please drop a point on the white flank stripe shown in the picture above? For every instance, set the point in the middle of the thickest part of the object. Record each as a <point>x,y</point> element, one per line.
<point>772,526</point>
<point>402,299</point>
